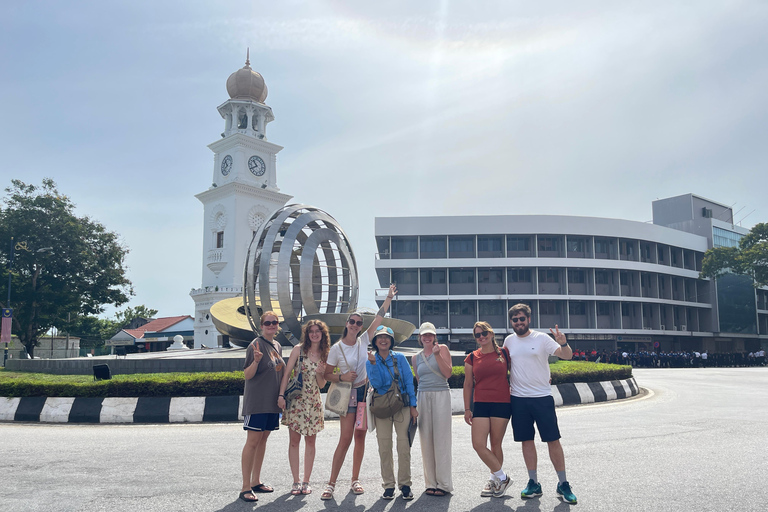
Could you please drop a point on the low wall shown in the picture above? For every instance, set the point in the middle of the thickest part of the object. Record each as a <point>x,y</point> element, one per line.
<point>120,365</point>
<point>227,408</point>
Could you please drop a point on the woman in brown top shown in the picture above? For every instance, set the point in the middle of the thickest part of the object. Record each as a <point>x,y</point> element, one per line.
<point>263,371</point>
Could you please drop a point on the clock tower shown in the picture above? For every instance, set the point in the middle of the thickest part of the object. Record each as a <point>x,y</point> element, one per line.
<point>242,195</point>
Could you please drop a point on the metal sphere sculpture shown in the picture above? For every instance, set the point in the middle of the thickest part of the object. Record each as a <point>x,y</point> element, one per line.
<point>299,263</point>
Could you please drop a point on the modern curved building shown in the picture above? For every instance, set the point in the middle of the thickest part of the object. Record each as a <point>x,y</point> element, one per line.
<point>607,283</point>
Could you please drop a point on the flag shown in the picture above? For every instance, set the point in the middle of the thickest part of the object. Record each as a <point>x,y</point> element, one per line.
<point>5,334</point>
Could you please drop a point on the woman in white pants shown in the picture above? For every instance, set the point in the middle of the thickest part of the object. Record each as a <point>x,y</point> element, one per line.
<point>433,367</point>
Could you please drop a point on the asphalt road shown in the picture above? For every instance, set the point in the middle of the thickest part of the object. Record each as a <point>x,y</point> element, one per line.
<point>697,441</point>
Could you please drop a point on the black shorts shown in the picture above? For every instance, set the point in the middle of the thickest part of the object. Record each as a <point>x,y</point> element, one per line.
<point>527,410</point>
<point>262,422</point>
<point>491,410</point>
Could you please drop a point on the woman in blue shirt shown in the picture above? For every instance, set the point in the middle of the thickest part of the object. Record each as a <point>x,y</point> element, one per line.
<point>386,366</point>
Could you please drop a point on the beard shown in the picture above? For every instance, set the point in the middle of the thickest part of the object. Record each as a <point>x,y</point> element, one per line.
<point>521,330</point>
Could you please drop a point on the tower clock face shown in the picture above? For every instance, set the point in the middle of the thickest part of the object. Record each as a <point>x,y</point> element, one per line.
<point>226,165</point>
<point>257,166</point>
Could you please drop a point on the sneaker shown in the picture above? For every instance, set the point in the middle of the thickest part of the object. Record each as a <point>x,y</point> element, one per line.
<point>564,490</point>
<point>501,487</point>
<point>532,490</point>
<point>406,492</point>
<point>389,494</point>
<point>487,491</point>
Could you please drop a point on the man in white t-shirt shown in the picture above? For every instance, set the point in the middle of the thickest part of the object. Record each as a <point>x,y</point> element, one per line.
<point>531,396</point>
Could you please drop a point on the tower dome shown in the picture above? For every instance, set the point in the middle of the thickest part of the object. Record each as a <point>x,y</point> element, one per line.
<point>247,84</point>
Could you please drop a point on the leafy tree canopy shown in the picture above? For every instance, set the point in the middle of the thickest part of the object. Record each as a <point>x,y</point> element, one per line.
<point>129,314</point>
<point>750,258</point>
<point>63,264</point>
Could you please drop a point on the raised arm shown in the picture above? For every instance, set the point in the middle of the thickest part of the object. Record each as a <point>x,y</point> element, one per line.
<point>381,312</point>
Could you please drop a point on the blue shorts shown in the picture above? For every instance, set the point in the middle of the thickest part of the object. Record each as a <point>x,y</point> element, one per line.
<point>491,410</point>
<point>526,411</point>
<point>262,422</point>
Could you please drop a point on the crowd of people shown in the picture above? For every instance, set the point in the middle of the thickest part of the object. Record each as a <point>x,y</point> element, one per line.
<point>676,359</point>
<point>501,382</point>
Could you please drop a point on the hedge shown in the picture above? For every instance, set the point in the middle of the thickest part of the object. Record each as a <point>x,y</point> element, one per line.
<point>18,384</point>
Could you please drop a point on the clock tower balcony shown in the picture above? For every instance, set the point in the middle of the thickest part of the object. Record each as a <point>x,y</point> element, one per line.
<point>216,261</point>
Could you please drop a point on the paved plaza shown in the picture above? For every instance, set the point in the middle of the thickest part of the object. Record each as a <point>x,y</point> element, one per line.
<point>696,441</point>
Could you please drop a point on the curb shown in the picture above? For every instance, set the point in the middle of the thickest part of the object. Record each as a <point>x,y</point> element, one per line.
<point>227,408</point>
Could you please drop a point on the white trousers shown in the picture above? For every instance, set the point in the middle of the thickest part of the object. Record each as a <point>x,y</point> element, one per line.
<point>435,438</point>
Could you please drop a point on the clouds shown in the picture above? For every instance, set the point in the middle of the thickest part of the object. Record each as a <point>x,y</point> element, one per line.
<point>441,107</point>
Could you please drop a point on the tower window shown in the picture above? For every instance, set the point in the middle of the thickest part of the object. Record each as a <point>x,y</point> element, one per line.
<point>219,239</point>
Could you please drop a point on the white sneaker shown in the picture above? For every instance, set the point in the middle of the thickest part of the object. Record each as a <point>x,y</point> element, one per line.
<point>501,487</point>
<point>487,491</point>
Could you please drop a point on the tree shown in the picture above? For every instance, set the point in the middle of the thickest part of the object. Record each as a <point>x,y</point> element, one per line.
<point>62,263</point>
<point>129,314</point>
<point>750,258</point>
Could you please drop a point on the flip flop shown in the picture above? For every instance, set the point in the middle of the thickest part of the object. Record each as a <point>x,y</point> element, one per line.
<point>430,491</point>
<point>252,499</point>
<point>262,488</point>
<point>439,492</point>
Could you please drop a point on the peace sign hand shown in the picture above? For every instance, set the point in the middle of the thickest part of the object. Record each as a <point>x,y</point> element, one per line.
<point>559,337</point>
<point>257,355</point>
<point>392,291</point>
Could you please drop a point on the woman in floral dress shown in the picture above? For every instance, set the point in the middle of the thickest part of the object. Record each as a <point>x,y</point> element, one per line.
<point>304,414</point>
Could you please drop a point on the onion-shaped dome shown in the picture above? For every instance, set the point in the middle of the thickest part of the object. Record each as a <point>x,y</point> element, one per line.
<point>247,84</point>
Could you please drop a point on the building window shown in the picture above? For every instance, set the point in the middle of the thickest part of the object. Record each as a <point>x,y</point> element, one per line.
<point>549,275</point>
<point>576,276</point>
<point>432,276</point>
<point>661,251</point>
<point>404,247</point>
<point>577,308</point>
<point>602,277</point>
<point>219,239</point>
<point>549,244</point>
<point>518,244</point>
<point>601,246</point>
<point>462,307</point>
<point>603,308</point>
<point>575,245</point>
<point>490,247</point>
<point>548,308</point>
<point>519,275</point>
<point>462,275</point>
<point>624,278</point>
<point>461,246</point>
<point>432,247</point>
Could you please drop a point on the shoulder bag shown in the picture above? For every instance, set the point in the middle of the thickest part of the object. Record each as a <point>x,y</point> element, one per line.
<point>296,384</point>
<point>386,405</point>
<point>337,399</point>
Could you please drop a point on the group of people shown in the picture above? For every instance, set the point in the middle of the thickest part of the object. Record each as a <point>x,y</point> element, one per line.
<point>500,383</point>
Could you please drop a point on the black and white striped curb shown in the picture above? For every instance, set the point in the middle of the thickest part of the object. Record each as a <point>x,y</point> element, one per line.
<point>227,408</point>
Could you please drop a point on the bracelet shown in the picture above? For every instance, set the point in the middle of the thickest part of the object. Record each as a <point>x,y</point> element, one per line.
<point>278,396</point>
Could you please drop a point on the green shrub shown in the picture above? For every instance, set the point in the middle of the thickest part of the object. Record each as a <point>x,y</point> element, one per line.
<point>18,384</point>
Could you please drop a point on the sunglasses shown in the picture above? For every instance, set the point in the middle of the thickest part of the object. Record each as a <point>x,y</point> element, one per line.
<point>270,322</point>
<point>517,319</point>
<point>355,322</point>
<point>479,334</point>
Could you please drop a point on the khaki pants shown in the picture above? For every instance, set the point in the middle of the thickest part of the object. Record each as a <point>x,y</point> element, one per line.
<point>400,420</point>
<point>435,438</point>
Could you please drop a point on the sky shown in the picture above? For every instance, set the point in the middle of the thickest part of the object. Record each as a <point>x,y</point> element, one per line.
<point>396,108</point>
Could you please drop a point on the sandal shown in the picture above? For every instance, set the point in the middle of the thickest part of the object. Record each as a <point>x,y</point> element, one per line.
<point>305,488</point>
<point>296,489</point>
<point>262,488</point>
<point>252,499</point>
<point>430,491</point>
<point>439,492</point>
<point>328,492</point>
<point>356,488</point>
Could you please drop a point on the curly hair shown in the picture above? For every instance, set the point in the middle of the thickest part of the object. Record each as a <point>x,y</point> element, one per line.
<point>325,339</point>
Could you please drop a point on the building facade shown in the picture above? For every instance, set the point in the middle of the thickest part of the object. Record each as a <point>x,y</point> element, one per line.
<point>607,283</point>
<point>242,195</point>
